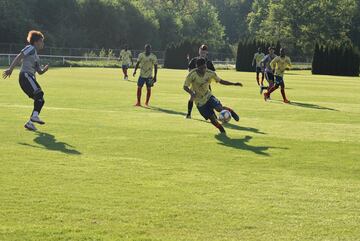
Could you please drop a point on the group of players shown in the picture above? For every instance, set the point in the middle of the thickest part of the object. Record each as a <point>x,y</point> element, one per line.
<point>197,83</point>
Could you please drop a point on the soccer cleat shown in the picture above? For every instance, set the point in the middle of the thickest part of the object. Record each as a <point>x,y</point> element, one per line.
<point>287,101</point>
<point>234,115</point>
<point>30,126</point>
<point>188,116</point>
<point>147,104</point>
<point>37,119</point>
<point>126,78</point>
<point>137,104</point>
<point>266,97</point>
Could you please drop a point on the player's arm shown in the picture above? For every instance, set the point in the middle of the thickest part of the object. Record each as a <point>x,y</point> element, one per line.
<point>212,67</point>
<point>274,62</point>
<point>190,92</point>
<point>225,82</point>
<point>263,62</point>
<point>16,61</point>
<point>253,62</point>
<point>289,64</point>
<point>136,67</point>
<point>40,70</point>
<point>155,72</point>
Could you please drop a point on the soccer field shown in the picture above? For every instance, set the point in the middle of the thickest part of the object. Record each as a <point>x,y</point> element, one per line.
<point>101,169</point>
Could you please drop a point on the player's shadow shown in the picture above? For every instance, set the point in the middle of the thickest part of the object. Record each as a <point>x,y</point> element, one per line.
<point>237,128</point>
<point>311,106</point>
<point>243,144</point>
<point>49,142</point>
<point>167,111</point>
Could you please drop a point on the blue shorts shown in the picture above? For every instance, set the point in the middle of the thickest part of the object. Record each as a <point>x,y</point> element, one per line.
<point>148,81</point>
<point>125,66</point>
<point>279,80</point>
<point>207,110</point>
<point>269,77</point>
<point>259,70</point>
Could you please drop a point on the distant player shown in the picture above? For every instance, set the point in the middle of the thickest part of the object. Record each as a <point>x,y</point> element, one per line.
<point>126,61</point>
<point>27,79</point>
<point>269,74</point>
<point>197,85</point>
<point>279,65</point>
<point>256,62</point>
<point>203,53</point>
<point>147,62</point>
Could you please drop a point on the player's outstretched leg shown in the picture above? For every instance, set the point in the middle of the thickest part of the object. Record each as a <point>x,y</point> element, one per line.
<point>148,95</point>
<point>272,89</point>
<point>217,124</point>
<point>190,107</point>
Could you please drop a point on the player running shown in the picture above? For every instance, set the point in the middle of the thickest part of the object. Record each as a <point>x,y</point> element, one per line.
<point>197,85</point>
<point>203,53</point>
<point>27,79</point>
<point>269,74</point>
<point>256,62</point>
<point>279,64</point>
<point>126,61</point>
<point>147,61</point>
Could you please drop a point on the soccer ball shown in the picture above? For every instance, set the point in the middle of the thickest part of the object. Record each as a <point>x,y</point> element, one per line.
<point>225,116</point>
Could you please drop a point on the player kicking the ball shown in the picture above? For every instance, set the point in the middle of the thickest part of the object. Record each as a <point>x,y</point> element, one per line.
<point>279,64</point>
<point>31,65</point>
<point>147,61</point>
<point>203,53</point>
<point>197,85</point>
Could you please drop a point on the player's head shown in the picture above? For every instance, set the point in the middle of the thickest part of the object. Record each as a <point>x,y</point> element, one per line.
<point>203,51</point>
<point>126,47</point>
<point>282,52</point>
<point>201,65</point>
<point>147,49</point>
<point>259,50</point>
<point>36,39</point>
<point>271,50</point>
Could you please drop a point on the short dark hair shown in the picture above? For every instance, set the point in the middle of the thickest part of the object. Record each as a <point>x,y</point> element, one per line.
<point>34,36</point>
<point>200,62</point>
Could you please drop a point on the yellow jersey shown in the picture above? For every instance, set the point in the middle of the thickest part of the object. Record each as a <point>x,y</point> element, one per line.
<point>146,64</point>
<point>200,85</point>
<point>125,56</point>
<point>258,57</point>
<point>280,64</point>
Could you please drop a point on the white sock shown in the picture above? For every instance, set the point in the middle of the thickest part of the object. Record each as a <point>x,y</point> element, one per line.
<point>35,113</point>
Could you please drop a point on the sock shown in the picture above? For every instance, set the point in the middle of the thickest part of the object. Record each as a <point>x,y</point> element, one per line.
<point>272,89</point>
<point>190,107</point>
<point>38,105</point>
<point>218,125</point>
<point>148,95</point>
<point>283,93</point>
<point>35,113</point>
<point>138,95</point>
<point>125,72</point>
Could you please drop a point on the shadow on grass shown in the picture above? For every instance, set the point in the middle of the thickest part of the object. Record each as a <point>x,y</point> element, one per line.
<point>167,111</point>
<point>242,144</point>
<point>311,106</point>
<point>49,142</point>
<point>227,125</point>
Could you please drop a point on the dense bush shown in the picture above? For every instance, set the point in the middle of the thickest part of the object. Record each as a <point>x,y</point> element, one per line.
<point>176,54</point>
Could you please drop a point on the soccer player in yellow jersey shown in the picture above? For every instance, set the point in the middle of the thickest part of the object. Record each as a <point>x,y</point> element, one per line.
<point>147,62</point>
<point>197,85</point>
<point>126,61</point>
<point>279,65</point>
<point>257,62</point>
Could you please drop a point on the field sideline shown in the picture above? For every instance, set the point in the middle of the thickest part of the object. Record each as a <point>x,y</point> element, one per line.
<point>101,169</point>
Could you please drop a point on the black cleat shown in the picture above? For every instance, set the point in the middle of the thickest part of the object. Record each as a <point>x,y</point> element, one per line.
<point>234,115</point>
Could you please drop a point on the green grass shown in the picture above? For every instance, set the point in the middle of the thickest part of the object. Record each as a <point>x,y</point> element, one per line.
<point>101,169</point>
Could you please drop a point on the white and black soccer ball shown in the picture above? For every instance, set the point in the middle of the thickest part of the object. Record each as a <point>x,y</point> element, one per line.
<point>225,116</point>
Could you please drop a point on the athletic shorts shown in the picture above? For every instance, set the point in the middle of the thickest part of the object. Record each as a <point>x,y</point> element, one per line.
<point>269,77</point>
<point>125,66</point>
<point>259,70</point>
<point>279,80</point>
<point>207,110</point>
<point>148,81</point>
<point>29,84</point>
